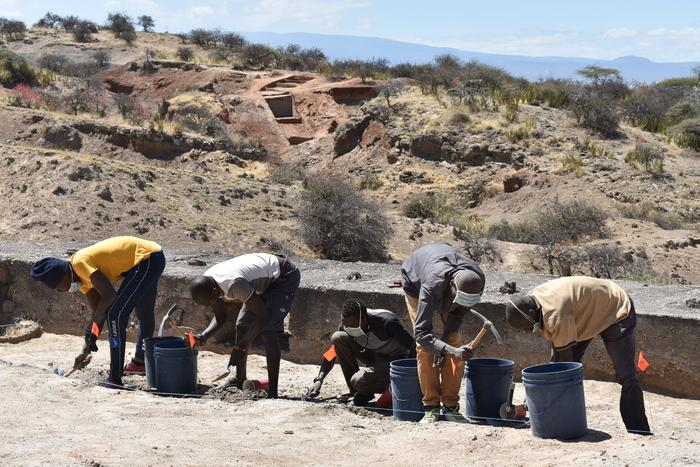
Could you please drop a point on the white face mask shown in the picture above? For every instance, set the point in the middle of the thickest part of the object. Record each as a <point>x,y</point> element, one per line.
<point>75,284</point>
<point>467,299</point>
<point>355,332</point>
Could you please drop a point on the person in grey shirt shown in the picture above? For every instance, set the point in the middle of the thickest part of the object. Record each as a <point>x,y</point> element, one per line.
<point>437,278</point>
<point>374,337</point>
<point>265,286</point>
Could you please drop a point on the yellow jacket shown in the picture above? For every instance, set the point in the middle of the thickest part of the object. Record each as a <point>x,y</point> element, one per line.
<point>578,308</point>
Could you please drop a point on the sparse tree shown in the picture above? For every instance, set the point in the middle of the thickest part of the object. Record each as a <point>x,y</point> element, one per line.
<point>599,75</point>
<point>339,222</point>
<point>604,260</point>
<point>259,55</point>
<point>70,22</point>
<point>102,58</point>
<point>184,53</point>
<point>202,37</point>
<point>12,29</point>
<point>233,40</point>
<point>122,26</point>
<point>83,30</point>
<point>50,20</point>
<point>389,90</point>
<point>480,249</point>
<point>146,23</point>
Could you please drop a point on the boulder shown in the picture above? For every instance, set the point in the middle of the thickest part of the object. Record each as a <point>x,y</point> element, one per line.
<point>63,137</point>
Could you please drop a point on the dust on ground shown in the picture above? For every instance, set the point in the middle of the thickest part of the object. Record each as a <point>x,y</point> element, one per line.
<point>53,420</point>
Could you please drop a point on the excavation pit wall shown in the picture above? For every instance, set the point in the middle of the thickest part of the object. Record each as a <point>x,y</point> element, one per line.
<point>667,330</point>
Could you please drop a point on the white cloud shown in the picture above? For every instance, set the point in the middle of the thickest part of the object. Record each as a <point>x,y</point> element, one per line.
<point>617,33</point>
<point>202,10</point>
<point>659,44</point>
<point>297,15</point>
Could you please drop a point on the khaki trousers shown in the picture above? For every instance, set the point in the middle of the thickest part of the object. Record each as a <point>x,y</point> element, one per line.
<point>437,384</point>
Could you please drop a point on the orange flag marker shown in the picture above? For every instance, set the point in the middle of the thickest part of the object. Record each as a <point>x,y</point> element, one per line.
<point>95,329</point>
<point>191,339</point>
<point>642,364</point>
<point>330,353</point>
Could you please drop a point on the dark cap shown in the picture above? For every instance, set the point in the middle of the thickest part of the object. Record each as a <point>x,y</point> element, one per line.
<point>50,271</point>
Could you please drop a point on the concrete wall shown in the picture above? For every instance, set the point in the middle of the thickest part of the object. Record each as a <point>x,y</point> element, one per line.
<point>667,330</point>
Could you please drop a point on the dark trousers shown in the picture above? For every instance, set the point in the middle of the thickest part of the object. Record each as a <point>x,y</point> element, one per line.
<point>619,343</point>
<point>138,291</point>
<point>369,380</point>
<point>278,299</point>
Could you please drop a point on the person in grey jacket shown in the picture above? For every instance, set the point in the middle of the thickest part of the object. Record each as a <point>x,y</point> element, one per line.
<point>373,337</point>
<point>437,278</point>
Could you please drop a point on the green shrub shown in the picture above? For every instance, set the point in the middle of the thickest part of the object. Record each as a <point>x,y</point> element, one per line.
<point>687,134</point>
<point>595,111</point>
<point>572,163</point>
<point>520,133</point>
<point>15,70</point>
<point>650,155</point>
<point>339,223</point>
<point>285,173</point>
<point>647,211</point>
<point>371,181</point>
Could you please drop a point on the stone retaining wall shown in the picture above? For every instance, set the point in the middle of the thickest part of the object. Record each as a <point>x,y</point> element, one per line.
<point>667,330</point>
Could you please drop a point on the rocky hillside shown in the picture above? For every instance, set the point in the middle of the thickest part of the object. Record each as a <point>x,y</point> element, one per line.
<point>205,156</point>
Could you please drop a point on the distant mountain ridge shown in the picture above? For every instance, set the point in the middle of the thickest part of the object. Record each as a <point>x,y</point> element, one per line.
<point>338,46</point>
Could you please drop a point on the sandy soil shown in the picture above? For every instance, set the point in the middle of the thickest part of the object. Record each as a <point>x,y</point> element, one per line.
<point>52,420</point>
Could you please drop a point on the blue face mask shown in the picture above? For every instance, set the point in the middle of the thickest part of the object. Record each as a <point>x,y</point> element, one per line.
<point>467,299</point>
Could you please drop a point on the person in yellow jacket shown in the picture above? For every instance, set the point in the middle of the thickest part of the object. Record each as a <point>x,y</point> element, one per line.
<point>93,271</point>
<point>569,312</point>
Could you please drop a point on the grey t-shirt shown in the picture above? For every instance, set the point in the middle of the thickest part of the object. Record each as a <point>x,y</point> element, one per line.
<point>242,276</point>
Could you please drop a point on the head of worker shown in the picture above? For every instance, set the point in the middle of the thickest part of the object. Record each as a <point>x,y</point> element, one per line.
<point>205,291</point>
<point>56,274</point>
<point>465,289</point>
<point>354,318</point>
<point>522,313</point>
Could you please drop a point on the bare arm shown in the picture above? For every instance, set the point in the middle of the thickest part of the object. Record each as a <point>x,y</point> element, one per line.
<point>220,309</point>
<point>106,293</point>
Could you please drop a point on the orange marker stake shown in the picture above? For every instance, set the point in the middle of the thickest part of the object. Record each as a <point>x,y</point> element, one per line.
<point>642,364</point>
<point>95,329</point>
<point>330,353</point>
<point>191,339</point>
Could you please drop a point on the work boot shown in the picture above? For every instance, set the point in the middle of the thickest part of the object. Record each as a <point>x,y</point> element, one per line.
<point>452,414</point>
<point>132,368</point>
<point>360,400</point>
<point>432,414</point>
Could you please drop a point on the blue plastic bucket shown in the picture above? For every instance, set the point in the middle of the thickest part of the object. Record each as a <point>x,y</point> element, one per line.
<point>406,396</point>
<point>487,385</point>
<point>555,400</point>
<point>176,367</point>
<point>149,358</point>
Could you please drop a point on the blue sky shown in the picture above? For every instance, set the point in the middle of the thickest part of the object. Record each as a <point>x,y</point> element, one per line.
<point>659,30</point>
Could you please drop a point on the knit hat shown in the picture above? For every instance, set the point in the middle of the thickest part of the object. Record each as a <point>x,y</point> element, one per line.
<point>50,271</point>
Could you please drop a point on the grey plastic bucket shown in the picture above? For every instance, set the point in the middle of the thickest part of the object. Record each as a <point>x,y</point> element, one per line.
<point>176,367</point>
<point>487,384</point>
<point>555,400</point>
<point>149,358</point>
<point>406,396</point>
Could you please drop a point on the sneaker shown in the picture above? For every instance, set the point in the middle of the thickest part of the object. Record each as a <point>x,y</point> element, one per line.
<point>452,414</point>
<point>361,400</point>
<point>432,415</point>
<point>132,368</point>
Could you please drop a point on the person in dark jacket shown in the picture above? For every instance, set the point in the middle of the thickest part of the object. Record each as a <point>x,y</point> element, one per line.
<point>437,278</point>
<point>373,337</point>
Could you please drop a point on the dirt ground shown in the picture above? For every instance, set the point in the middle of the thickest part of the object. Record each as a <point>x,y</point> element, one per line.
<point>48,419</point>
